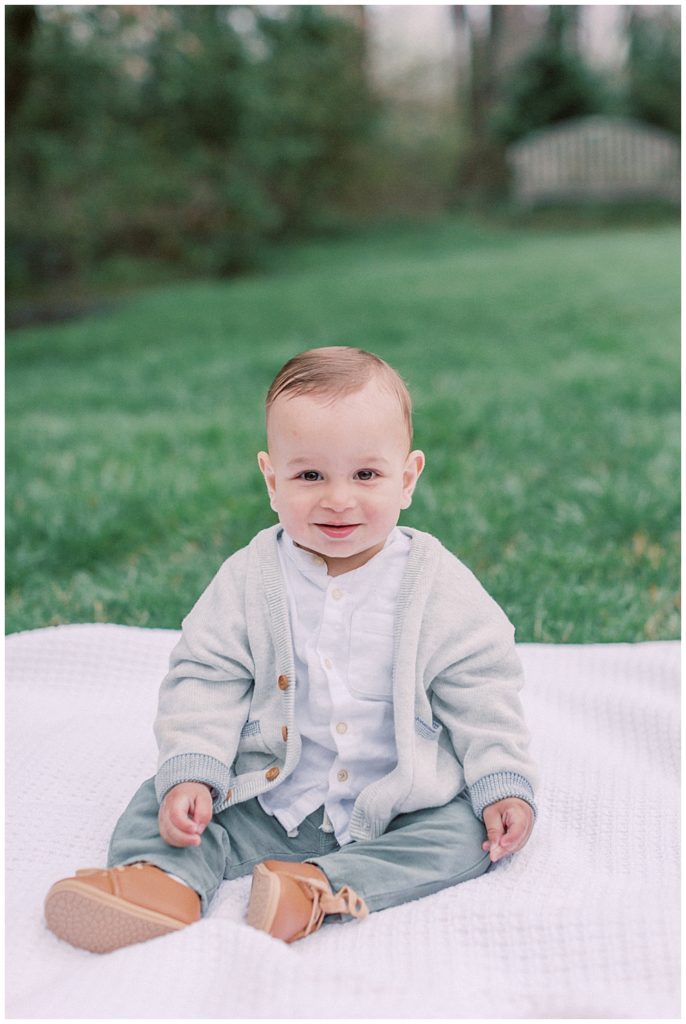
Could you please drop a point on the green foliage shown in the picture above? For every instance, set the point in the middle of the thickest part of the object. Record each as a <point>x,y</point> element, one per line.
<point>48,189</point>
<point>551,83</point>
<point>544,369</point>
<point>654,86</point>
<point>318,105</point>
<point>184,134</point>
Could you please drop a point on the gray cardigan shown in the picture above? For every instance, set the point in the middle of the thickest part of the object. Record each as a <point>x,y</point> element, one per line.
<point>226,706</point>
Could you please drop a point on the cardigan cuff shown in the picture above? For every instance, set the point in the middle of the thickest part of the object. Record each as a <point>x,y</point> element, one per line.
<point>193,768</point>
<point>491,788</point>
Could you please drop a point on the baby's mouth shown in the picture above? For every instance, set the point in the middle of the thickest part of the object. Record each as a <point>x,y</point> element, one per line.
<point>337,529</point>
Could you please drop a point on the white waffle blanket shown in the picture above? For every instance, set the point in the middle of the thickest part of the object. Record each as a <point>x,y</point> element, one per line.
<point>583,923</point>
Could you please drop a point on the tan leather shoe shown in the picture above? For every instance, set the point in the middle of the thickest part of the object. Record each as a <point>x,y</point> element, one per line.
<point>289,901</point>
<point>104,909</point>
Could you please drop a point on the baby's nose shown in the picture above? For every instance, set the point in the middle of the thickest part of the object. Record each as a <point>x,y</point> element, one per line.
<point>338,497</point>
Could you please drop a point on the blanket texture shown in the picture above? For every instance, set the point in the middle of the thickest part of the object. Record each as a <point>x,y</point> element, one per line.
<point>584,922</point>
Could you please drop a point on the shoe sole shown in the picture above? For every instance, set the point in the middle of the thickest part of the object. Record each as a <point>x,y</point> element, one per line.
<point>90,919</point>
<point>264,898</point>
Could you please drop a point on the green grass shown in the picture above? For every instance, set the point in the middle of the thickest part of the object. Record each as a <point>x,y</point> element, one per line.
<point>545,372</point>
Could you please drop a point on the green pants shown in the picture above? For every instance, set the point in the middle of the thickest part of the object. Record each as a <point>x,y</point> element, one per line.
<point>419,853</point>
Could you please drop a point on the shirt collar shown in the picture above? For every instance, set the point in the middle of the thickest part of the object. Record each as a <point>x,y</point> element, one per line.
<point>314,567</point>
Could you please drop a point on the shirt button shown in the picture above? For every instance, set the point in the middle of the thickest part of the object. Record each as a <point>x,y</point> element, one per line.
<point>336,594</point>
<point>342,727</point>
<point>282,682</point>
<point>328,663</point>
<point>271,774</point>
<point>284,732</point>
<point>342,775</point>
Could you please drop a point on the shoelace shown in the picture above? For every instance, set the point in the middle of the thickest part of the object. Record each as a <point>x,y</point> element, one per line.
<point>345,901</point>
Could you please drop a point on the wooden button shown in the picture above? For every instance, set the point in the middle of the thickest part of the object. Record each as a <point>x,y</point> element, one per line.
<point>283,683</point>
<point>271,774</point>
<point>284,732</point>
<point>229,795</point>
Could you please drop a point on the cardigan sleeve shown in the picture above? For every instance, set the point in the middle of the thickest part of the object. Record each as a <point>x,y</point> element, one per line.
<point>205,697</point>
<point>475,696</point>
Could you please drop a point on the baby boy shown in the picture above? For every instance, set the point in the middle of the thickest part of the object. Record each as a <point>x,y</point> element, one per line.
<point>341,714</point>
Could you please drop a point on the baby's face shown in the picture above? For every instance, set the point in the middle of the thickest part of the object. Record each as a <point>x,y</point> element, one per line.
<point>338,473</point>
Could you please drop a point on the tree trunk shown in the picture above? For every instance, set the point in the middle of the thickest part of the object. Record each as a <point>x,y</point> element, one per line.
<point>482,171</point>
<point>20,25</point>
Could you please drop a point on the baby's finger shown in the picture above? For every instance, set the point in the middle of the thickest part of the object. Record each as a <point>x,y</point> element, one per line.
<point>494,849</point>
<point>494,830</point>
<point>493,822</point>
<point>180,816</point>
<point>172,833</point>
<point>518,828</point>
<point>202,811</point>
<point>175,837</point>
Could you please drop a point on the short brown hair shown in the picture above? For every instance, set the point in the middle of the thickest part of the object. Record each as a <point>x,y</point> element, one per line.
<point>335,371</point>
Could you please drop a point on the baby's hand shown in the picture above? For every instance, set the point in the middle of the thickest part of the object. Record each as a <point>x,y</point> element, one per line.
<point>184,813</point>
<point>508,823</point>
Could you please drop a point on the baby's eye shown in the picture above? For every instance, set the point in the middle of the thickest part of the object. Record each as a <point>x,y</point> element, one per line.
<point>366,474</point>
<point>310,475</point>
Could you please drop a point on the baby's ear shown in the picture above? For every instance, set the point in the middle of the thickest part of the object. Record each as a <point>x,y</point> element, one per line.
<point>267,470</point>
<point>413,470</point>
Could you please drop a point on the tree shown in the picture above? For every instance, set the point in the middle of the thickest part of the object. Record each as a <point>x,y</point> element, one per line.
<point>482,170</point>
<point>20,28</point>
<point>654,68</point>
<point>54,147</point>
<point>525,72</point>
<point>550,84</point>
<point>187,134</point>
<point>318,108</point>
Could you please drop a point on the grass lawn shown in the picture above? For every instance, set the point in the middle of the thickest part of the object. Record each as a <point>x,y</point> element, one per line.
<point>545,372</point>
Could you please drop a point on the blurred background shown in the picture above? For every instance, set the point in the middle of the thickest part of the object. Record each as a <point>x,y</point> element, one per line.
<point>485,195</point>
<point>149,140</point>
